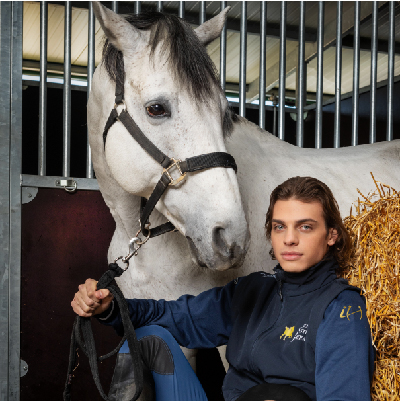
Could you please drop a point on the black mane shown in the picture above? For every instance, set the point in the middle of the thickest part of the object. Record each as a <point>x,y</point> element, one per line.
<point>187,56</point>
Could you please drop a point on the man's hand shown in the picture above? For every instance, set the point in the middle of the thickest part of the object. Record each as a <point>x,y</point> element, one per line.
<point>88,302</point>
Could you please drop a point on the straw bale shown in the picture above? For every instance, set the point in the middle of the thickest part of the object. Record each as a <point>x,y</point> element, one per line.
<point>375,268</point>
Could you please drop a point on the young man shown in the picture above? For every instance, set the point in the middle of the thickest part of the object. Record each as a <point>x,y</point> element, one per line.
<point>298,334</point>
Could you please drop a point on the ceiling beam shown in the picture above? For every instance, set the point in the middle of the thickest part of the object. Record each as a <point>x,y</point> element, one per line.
<point>272,74</point>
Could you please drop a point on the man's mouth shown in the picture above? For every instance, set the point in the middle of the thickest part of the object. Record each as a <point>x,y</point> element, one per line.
<point>291,255</point>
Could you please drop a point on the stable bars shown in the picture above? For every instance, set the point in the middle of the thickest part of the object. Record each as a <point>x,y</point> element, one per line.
<point>301,73</point>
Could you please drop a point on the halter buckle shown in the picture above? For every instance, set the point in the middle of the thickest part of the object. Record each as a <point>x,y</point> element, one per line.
<point>122,104</point>
<point>177,166</point>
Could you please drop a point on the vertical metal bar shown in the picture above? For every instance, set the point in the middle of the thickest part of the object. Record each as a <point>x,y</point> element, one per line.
<point>90,71</point>
<point>275,115</point>
<point>355,94</point>
<point>114,6</point>
<point>160,6</point>
<point>5,146</point>
<point>137,7</point>
<point>181,10</point>
<point>202,12</point>
<point>282,74</point>
<point>319,83</point>
<point>14,372</point>
<point>242,67</point>
<point>337,114</point>
<point>373,75</point>
<point>390,75</point>
<point>67,91</point>
<point>43,89</point>
<point>301,89</point>
<point>223,51</point>
<point>262,65</point>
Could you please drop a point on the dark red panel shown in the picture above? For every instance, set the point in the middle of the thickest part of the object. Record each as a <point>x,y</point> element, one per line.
<point>65,238</point>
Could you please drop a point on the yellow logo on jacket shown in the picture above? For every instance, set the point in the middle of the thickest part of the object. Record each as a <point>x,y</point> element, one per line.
<point>288,332</point>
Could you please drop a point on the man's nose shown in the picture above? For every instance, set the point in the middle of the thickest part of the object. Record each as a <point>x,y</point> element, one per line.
<point>291,237</point>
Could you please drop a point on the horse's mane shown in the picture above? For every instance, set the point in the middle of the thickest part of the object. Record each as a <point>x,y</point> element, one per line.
<point>187,56</point>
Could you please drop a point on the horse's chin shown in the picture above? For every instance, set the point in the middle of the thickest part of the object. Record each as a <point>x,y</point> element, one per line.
<point>219,265</point>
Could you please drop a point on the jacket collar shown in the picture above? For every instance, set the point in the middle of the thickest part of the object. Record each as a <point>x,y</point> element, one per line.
<point>308,280</point>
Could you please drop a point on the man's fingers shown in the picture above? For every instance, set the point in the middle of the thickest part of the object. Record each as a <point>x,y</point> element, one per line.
<point>102,294</point>
<point>85,303</point>
<point>78,310</point>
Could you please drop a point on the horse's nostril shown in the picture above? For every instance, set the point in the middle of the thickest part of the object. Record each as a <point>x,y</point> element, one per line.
<point>220,242</point>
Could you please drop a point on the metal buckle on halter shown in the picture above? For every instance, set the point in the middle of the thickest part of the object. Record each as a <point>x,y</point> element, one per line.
<point>176,165</point>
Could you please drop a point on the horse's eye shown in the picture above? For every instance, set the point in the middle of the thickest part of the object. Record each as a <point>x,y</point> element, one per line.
<point>156,110</point>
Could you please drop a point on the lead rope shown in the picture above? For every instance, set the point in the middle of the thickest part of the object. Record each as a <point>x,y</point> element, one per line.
<point>85,342</point>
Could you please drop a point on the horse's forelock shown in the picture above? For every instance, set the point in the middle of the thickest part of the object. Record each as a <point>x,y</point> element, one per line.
<point>186,55</point>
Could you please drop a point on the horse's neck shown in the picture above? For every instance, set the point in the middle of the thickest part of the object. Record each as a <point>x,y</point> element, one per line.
<point>123,206</point>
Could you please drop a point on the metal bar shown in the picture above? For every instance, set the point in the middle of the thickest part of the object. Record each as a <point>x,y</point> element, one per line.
<point>355,96</point>
<point>181,10</point>
<point>262,65</point>
<point>43,89</point>
<point>337,114</point>
<point>373,74</point>
<point>223,51</point>
<point>14,331</point>
<point>67,91</point>
<point>27,180</point>
<point>301,88</point>
<point>202,12</point>
<point>137,9</point>
<point>275,115</point>
<point>5,116</point>
<point>242,67</point>
<point>319,83</point>
<point>160,6</point>
<point>390,76</point>
<point>91,70</point>
<point>114,6</point>
<point>282,75</point>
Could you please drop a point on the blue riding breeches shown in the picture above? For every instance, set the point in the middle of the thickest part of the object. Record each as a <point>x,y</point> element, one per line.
<point>173,376</point>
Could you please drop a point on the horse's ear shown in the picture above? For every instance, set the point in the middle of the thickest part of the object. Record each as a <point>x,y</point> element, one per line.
<point>120,33</point>
<point>210,30</point>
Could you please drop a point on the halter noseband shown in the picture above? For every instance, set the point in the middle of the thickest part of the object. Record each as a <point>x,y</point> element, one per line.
<point>196,163</point>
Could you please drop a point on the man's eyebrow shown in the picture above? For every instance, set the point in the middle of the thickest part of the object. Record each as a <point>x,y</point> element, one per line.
<point>298,221</point>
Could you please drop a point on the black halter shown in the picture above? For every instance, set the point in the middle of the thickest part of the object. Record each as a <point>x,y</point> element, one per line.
<point>196,163</point>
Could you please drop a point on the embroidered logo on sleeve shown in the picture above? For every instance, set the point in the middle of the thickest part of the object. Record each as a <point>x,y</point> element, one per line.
<point>287,333</point>
<point>346,313</point>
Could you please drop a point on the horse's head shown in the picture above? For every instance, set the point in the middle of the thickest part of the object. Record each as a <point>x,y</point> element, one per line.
<point>173,95</point>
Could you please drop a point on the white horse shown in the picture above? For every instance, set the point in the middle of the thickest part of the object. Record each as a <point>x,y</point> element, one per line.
<point>195,258</point>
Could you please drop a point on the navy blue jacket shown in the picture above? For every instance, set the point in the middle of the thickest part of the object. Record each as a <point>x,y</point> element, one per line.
<point>306,329</point>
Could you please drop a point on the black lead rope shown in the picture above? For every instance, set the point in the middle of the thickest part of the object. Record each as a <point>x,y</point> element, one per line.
<point>82,338</point>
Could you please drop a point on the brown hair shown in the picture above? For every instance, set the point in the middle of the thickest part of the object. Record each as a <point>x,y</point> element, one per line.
<point>308,189</point>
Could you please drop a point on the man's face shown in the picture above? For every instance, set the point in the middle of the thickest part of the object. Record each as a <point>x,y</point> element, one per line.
<point>299,236</point>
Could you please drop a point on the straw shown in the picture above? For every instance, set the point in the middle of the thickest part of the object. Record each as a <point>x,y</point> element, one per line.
<point>375,268</point>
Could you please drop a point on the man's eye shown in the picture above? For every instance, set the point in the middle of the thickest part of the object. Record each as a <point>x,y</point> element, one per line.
<point>306,227</point>
<point>157,110</point>
<point>278,227</point>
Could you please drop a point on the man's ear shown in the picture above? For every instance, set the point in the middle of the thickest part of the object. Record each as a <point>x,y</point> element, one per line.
<point>332,237</point>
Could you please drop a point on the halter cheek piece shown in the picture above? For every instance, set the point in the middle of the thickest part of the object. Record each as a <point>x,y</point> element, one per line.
<point>196,163</point>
